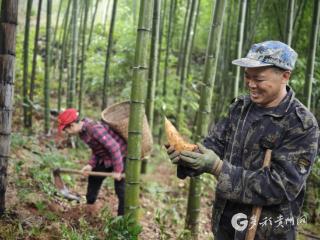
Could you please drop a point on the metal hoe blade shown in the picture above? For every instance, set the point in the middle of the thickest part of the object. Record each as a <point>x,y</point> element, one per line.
<point>63,190</point>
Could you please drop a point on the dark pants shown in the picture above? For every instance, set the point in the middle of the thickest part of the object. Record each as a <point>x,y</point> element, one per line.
<point>94,184</point>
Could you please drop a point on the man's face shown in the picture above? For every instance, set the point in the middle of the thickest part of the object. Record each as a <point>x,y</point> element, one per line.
<point>266,85</point>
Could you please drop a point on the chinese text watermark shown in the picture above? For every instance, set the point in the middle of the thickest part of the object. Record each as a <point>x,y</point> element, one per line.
<point>240,221</point>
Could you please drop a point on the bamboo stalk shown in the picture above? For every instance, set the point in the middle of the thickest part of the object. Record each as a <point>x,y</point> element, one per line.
<point>140,68</point>
<point>289,22</point>
<point>84,57</point>
<point>47,70</point>
<point>168,46</point>
<point>63,53</point>
<point>152,75</point>
<point>193,210</point>
<point>92,22</point>
<point>312,53</point>
<point>74,52</point>
<point>34,62</point>
<point>242,16</point>
<point>106,80</point>
<point>187,50</point>
<point>26,106</point>
<point>8,20</point>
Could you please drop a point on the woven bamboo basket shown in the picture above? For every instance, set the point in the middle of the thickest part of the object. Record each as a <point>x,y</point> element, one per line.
<point>117,117</point>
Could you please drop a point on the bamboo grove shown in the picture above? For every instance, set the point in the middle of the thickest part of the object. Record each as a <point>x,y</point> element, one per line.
<point>169,57</point>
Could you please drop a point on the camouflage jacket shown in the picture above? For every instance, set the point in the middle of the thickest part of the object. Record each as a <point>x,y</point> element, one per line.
<point>292,133</point>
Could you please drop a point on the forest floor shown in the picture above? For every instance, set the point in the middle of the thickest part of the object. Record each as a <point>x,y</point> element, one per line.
<point>35,210</point>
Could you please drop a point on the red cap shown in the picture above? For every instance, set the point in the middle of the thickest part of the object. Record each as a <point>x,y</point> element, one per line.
<point>68,116</point>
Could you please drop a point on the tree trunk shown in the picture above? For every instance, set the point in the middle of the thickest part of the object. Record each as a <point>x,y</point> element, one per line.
<point>109,49</point>
<point>298,25</point>
<point>138,91</point>
<point>168,46</point>
<point>83,54</point>
<point>106,18</point>
<point>74,51</point>
<point>242,16</point>
<point>68,53</point>
<point>134,12</point>
<point>279,17</point>
<point>182,40</point>
<point>47,70</point>
<point>312,53</point>
<point>63,54</point>
<point>205,108</point>
<point>187,50</point>
<point>153,62</point>
<point>250,33</point>
<point>158,117</point>
<point>193,34</point>
<point>9,15</point>
<point>26,105</point>
<point>34,62</point>
<point>153,71</point>
<point>92,22</point>
<point>57,22</point>
<point>78,64</point>
<point>289,23</point>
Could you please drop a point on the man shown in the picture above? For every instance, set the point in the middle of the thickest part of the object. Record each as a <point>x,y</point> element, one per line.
<point>270,117</point>
<point>108,152</point>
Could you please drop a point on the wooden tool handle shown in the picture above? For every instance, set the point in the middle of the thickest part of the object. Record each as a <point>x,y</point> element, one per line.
<point>256,211</point>
<point>90,173</point>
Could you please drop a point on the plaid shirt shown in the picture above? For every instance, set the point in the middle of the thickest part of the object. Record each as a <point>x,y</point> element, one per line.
<point>106,145</point>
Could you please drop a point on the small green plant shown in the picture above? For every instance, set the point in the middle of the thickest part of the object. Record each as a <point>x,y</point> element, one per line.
<point>161,220</point>
<point>185,235</point>
<point>122,228</point>
<point>18,166</point>
<point>17,140</point>
<point>10,227</point>
<point>84,232</point>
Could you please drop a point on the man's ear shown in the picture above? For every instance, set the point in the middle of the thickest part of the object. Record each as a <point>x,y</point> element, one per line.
<point>286,76</point>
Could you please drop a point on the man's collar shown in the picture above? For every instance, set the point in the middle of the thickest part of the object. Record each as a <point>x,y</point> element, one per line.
<point>285,104</point>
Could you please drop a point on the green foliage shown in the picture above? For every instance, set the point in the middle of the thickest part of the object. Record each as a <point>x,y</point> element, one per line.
<point>121,228</point>
<point>18,140</point>
<point>160,218</point>
<point>38,96</point>
<point>44,163</point>
<point>84,232</point>
<point>41,206</point>
<point>10,228</point>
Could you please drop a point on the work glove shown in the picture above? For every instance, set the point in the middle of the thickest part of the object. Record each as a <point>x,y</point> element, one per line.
<point>173,154</point>
<point>182,171</point>
<point>204,160</point>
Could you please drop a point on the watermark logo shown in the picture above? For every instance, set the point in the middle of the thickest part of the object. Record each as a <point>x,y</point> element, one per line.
<point>240,221</point>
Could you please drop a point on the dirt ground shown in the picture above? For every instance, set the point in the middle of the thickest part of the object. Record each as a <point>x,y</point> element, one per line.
<point>33,214</point>
<point>29,208</point>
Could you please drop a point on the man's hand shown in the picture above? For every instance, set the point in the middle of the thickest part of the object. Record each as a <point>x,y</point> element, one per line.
<point>86,168</point>
<point>205,160</point>
<point>173,154</point>
<point>117,176</point>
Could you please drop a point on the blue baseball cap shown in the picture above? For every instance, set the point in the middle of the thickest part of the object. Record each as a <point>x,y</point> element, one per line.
<point>269,53</point>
